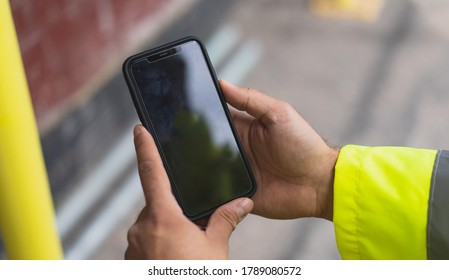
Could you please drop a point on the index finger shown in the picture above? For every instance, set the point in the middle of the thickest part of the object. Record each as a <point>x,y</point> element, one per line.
<point>153,177</point>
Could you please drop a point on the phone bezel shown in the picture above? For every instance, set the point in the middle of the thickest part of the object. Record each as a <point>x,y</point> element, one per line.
<point>146,121</point>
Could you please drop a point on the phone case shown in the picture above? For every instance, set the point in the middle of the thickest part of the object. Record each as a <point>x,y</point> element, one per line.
<point>144,118</point>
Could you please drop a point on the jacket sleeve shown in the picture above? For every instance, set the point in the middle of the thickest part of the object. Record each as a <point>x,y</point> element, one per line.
<point>392,203</point>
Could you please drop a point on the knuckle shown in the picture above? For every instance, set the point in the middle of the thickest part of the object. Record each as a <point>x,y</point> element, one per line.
<point>279,112</point>
<point>230,217</point>
<point>285,106</point>
<point>132,235</point>
<point>249,95</point>
<point>147,229</point>
<point>246,102</point>
<point>145,167</point>
<point>251,91</point>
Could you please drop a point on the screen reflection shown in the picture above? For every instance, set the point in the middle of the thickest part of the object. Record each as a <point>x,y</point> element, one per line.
<point>191,127</point>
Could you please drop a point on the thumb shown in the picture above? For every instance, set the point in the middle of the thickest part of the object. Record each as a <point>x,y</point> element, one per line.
<point>226,218</point>
<point>249,100</point>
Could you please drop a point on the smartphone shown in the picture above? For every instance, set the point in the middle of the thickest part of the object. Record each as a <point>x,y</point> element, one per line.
<point>178,99</point>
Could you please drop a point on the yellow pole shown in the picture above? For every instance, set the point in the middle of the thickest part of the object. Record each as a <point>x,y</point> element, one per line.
<point>27,222</point>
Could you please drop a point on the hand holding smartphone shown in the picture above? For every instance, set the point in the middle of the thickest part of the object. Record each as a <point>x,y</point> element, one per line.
<point>178,99</point>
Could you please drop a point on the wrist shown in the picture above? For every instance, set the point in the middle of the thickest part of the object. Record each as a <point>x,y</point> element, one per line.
<point>326,188</point>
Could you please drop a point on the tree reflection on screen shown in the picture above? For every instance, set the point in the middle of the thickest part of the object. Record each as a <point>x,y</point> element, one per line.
<point>204,173</point>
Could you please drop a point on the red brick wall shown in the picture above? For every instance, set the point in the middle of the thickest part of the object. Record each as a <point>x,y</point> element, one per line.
<point>65,42</point>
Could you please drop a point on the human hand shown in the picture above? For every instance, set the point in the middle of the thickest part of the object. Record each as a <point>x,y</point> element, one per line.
<point>161,230</point>
<point>292,165</point>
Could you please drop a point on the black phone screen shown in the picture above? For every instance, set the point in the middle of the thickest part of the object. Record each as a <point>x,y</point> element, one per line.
<point>189,122</point>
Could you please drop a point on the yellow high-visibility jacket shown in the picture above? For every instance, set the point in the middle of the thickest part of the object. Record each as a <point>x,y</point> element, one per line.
<point>392,203</point>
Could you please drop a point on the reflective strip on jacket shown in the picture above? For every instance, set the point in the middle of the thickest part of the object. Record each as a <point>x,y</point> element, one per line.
<point>392,203</point>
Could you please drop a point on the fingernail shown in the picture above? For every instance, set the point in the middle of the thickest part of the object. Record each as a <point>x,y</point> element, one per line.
<point>137,129</point>
<point>242,208</point>
<point>229,84</point>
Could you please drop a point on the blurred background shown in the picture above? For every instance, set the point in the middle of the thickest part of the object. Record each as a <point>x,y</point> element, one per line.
<point>367,72</point>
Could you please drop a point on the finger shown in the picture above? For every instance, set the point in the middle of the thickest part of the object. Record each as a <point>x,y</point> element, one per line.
<point>130,255</point>
<point>240,116</point>
<point>242,122</point>
<point>153,177</point>
<point>250,100</point>
<point>226,218</point>
<point>131,252</point>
